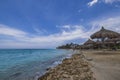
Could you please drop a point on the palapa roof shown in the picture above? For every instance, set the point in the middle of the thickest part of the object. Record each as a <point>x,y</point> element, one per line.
<point>117,39</point>
<point>104,33</point>
<point>98,42</point>
<point>84,46</point>
<point>89,41</point>
<point>113,39</point>
<point>109,42</point>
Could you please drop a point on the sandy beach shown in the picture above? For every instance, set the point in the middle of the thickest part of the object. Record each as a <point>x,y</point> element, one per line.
<point>90,65</point>
<point>106,64</point>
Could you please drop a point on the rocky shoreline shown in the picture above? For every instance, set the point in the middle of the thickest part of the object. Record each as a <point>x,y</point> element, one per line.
<point>74,68</point>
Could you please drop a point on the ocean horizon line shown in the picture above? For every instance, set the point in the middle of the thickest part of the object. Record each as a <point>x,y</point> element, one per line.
<point>26,48</point>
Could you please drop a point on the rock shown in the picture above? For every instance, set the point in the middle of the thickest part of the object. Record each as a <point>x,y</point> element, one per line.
<point>48,68</point>
<point>74,68</point>
<point>84,64</point>
<point>65,75</point>
<point>89,59</point>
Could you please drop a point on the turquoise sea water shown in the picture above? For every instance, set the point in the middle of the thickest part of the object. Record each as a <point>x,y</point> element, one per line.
<point>28,64</point>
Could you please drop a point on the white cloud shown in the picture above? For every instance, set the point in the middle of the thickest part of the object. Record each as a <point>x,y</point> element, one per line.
<point>92,2</point>
<point>24,39</point>
<point>66,26</point>
<point>117,6</point>
<point>105,1</point>
<point>68,32</point>
<point>23,45</point>
<point>39,31</point>
<point>5,30</point>
<point>110,1</point>
<point>74,32</point>
<point>112,23</point>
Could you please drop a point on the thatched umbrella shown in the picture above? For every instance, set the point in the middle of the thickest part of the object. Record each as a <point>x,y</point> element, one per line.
<point>103,34</point>
<point>85,47</point>
<point>89,41</point>
<point>98,42</point>
<point>109,43</point>
<point>114,39</point>
<point>117,40</point>
<point>89,44</point>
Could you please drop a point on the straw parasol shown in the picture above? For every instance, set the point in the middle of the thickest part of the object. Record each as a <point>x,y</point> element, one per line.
<point>109,42</point>
<point>89,41</point>
<point>85,47</point>
<point>113,39</point>
<point>116,39</point>
<point>98,42</point>
<point>104,33</point>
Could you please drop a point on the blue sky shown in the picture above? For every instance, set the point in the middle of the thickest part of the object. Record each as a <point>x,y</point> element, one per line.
<point>49,23</point>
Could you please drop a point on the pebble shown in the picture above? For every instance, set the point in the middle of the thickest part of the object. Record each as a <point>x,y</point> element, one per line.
<point>74,68</point>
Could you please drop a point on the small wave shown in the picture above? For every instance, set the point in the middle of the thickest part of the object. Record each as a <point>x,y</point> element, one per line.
<point>55,63</point>
<point>16,74</point>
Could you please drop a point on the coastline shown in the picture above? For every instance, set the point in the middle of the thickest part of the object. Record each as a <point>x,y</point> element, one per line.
<point>90,65</point>
<point>31,63</point>
<point>75,67</point>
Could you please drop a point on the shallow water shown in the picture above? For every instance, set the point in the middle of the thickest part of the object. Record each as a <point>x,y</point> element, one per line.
<point>28,64</point>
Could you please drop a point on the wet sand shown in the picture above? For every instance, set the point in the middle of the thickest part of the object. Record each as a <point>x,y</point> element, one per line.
<point>106,64</point>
